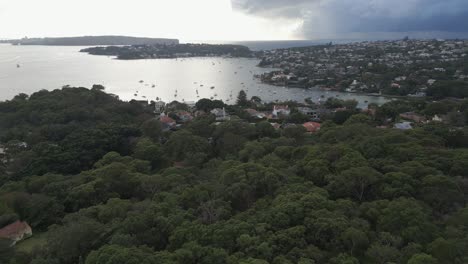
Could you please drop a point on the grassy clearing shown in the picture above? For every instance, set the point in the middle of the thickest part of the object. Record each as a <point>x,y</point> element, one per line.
<point>37,240</point>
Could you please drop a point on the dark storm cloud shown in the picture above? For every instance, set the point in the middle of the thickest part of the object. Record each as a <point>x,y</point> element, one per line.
<point>347,16</point>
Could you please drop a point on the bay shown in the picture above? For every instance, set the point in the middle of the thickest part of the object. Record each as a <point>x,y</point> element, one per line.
<point>189,79</point>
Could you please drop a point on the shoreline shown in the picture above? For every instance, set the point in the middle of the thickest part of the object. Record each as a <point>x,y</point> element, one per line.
<point>342,92</point>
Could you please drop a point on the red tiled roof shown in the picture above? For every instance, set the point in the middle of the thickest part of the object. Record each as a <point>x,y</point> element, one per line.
<point>181,113</point>
<point>282,107</point>
<point>166,119</point>
<point>15,230</point>
<point>251,111</point>
<point>312,126</point>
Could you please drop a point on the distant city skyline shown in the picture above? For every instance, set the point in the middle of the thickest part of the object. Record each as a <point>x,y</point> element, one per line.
<point>236,20</point>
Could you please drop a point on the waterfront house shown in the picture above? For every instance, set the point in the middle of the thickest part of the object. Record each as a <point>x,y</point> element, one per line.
<point>255,114</point>
<point>220,114</point>
<point>306,111</point>
<point>281,110</point>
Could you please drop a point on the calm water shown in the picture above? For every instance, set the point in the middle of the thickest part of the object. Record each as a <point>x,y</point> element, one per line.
<point>44,67</point>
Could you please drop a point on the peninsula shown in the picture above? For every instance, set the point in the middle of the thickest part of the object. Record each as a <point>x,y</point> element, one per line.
<point>160,51</point>
<point>92,41</point>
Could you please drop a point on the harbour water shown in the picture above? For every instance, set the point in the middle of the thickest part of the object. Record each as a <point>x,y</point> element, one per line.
<point>27,69</point>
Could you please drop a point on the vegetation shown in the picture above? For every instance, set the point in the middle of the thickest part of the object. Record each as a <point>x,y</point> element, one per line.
<point>102,183</point>
<point>156,51</point>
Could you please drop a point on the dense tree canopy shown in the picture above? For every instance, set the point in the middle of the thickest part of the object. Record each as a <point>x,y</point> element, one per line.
<point>100,182</point>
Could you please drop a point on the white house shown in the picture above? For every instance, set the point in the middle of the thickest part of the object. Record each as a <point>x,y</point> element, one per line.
<point>220,114</point>
<point>281,110</point>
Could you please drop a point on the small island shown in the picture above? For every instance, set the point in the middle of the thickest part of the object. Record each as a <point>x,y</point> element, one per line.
<point>161,51</point>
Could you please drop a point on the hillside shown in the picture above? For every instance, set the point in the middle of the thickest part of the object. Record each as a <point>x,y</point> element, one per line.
<point>101,181</point>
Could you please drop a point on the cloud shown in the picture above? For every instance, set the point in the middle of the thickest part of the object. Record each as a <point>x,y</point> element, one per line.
<point>291,8</point>
<point>335,17</point>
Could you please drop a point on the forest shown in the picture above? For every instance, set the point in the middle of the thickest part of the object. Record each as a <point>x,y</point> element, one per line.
<point>101,182</point>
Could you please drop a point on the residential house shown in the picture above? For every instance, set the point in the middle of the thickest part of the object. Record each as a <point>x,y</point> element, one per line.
<point>254,113</point>
<point>159,107</point>
<point>312,127</point>
<point>441,118</point>
<point>319,113</point>
<point>288,125</point>
<point>191,104</point>
<point>184,116</point>
<point>220,114</point>
<point>167,122</point>
<point>275,125</point>
<point>16,231</point>
<point>413,117</point>
<point>281,110</point>
<point>403,126</point>
<point>306,111</point>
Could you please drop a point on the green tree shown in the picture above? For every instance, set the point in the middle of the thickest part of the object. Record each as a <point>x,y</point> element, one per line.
<point>152,128</point>
<point>382,254</point>
<point>6,250</point>
<point>265,129</point>
<point>74,240</point>
<point>344,259</point>
<point>295,132</point>
<point>114,254</point>
<point>149,151</point>
<point>355,182</point>
<point>422,259</point>
<point>242,99</point>
<point>182,144</point>
<point>208,105</point>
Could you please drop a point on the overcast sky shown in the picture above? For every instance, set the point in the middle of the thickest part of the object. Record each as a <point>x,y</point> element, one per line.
<point>235,19</point>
